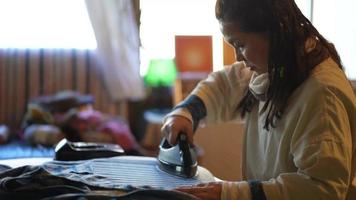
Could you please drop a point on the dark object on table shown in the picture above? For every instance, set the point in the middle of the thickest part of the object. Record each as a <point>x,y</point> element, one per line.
<point>178,160</point>
<point>66,150</point>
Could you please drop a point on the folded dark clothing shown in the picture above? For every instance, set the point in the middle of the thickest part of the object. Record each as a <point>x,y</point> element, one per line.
<point>4,168</point>
<point>33,182</point>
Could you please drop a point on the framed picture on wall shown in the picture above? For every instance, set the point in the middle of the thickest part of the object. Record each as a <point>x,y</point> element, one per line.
<point>194,53</point>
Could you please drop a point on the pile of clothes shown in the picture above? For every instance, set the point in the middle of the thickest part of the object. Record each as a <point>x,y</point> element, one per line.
<point>71,115</point>
<point>35,182</point>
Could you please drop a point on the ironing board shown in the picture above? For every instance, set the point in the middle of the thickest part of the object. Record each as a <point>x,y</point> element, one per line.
<point>122,171</point>
<point>18,162</point>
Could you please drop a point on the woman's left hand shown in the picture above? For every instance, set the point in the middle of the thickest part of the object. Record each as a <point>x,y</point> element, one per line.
<point>206,191</point>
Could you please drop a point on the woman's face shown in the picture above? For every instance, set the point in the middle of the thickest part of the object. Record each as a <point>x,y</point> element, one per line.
<point>250,47</point>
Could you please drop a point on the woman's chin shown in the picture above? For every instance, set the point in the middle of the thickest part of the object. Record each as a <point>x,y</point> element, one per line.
<point>253,68</point>
<point>258,70</point>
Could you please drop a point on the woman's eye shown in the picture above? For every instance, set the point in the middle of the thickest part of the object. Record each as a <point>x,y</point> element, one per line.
<point>240,47</point>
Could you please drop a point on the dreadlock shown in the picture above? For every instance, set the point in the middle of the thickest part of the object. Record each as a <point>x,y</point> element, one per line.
<point>289,64</point>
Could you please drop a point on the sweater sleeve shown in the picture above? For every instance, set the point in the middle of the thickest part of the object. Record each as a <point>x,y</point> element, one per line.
<point>215,99</point>
<point>222,91</point>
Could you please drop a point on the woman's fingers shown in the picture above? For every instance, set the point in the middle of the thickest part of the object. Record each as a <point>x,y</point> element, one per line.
<point>170,131</point>
<point>174,125</point>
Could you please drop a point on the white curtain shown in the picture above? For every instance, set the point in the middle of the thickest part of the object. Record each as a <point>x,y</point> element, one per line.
<point>117,37</point>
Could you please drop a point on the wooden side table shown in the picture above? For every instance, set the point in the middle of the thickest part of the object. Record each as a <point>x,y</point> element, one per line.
<point>185,83</point>
<point>153,135</point>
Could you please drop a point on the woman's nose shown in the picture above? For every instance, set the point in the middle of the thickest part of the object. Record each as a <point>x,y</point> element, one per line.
<point>238,55</point>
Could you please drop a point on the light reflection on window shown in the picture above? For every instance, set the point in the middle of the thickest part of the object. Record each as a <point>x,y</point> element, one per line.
<point>45,24</point>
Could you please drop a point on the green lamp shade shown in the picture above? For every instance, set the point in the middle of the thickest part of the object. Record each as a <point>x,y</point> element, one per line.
<point>161,72</point>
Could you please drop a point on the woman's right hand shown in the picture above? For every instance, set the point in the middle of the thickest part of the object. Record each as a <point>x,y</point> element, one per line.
<point>176,124</point>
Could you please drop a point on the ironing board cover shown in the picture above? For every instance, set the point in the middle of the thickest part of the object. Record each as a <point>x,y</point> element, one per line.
<point>123,171</point>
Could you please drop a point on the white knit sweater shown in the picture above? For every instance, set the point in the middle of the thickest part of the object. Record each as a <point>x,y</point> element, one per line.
<point>311,154</point>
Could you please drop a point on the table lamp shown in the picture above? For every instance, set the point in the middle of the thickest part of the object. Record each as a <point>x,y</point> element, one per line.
<point>161,72</point>
<point>160,78</point>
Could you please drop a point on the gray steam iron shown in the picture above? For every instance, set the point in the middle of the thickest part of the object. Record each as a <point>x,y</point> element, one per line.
<point>179,160</point>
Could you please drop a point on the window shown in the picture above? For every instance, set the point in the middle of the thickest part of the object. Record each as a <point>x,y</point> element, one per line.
<point>335,20</point>
<point>305,7</point>
<point>161,20</point>
<point>45,24</point>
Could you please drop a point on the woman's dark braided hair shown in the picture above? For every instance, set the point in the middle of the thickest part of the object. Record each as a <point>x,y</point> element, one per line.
<point>289,64</point>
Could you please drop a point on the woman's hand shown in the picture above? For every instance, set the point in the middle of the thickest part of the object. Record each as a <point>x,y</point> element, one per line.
<point>176,124</point>
<point>206,191</point>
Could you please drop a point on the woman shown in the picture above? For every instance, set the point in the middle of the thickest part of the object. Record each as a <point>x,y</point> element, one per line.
<point>299,107</point>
